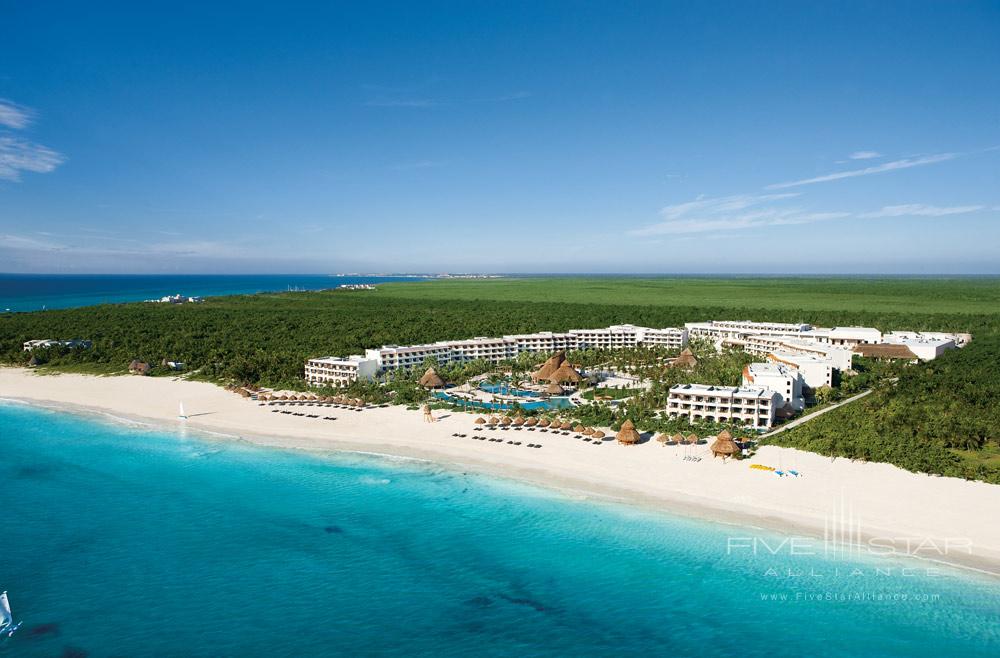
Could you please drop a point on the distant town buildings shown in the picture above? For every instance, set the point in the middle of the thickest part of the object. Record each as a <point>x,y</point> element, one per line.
<point>74,343</point>
<point>356,286</point>
<point>177,299</point>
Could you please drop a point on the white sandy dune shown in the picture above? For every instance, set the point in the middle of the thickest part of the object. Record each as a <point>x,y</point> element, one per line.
<point>939,518</point>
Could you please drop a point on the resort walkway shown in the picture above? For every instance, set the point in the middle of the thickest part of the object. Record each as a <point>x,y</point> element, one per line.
<point>807,418</point>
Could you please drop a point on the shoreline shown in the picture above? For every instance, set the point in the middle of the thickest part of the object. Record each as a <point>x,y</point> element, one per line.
<point>910,509</point>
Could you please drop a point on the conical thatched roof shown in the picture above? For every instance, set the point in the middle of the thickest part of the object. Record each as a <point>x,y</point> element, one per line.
<point>519,420</point>
<point>598,434</point>
<point>480,421</point>
<point>543,422</point>
<point>686,359</point>
<point>565,373</point>
<point>531,422</point>
<point>628,435</point>
<point>431,379</point>
<point>692,438</point>
<point>494,420</point>
<point>506,420</point>
<point>679,438</point>
<point>550,366</point>
<point>724,446</point>
<point>566,426</point>
<point>587,431</point>
<point>579,429</point>
<point>554,389</point>
<point>663,438</point>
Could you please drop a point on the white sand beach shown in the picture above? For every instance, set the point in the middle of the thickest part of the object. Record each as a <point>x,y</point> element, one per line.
<point>938,518</point>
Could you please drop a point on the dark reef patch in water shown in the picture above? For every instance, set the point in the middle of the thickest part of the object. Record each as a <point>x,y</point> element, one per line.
<point>33,471</point>
<point>44,630</point>
<point>333,530</point>
<point>480,601</point>
<point>531,603</point>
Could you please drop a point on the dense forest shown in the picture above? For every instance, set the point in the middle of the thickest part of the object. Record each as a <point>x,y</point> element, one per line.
<point>940,417</point>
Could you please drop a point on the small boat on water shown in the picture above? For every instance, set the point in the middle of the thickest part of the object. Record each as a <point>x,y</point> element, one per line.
<point>7,625</point>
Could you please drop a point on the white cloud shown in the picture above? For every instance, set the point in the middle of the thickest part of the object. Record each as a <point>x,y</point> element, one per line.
<point>17,155</point>
<point>920,210</point>
<point>904,163</point>
<point>732,213</point>
<point>411,102</point>
<point>864,155</point>
<point>14,116</point>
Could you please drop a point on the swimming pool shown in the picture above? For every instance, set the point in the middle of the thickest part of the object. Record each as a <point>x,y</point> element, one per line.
<point>504,389</point>
<point>537,405</point>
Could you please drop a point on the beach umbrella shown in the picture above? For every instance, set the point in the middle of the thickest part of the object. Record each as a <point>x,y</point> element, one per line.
<point>531,422</point>
<point>587,431</point>
<point>480,421</point>
<point>506,420</point>
<point>663,438</point>
<point>579,429</point>
<point>692,438</point>
<point>598,434</point>
<point>519,420</point>
<point>677,438</point>
<point>628,435</point>
<point>543,422</point>
<point>566,426</point>
<point>494,420</point>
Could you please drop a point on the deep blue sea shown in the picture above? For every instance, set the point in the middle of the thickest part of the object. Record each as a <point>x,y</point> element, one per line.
<point>120,540</point>
<point>33,292</point>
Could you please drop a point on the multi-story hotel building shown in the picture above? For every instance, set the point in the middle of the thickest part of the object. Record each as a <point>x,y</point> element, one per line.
<point>780,378</point>
<point>753,407</point>
<point>394,357</point>
<point>331,371</point>
<point>816,371</point>
<point>719,330</point>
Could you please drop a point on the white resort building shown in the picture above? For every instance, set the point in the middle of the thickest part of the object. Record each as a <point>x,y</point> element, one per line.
<point>332,371</point>
<point>816,371</point>
<point>340,371</point>
<point>780,378</point>
<point>754,407</point>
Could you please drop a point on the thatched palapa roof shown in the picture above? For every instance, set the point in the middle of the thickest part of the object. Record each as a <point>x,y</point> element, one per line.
<point>565,373</point>
<point>550,366</point>
<point>431,379</point>
<point>724,446</point>
<point>686,359</point>
<point>628,435</point>
<point>554,389</point>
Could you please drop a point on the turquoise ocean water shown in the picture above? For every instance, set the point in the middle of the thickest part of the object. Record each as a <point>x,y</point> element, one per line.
<point>127,541</point>
<point>33,292</point>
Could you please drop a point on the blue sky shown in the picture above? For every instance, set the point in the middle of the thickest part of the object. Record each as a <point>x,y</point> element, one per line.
<point>516,137</point>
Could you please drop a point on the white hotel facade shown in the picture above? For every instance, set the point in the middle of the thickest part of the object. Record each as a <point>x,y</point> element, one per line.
<point>342,371</point>
<point>754,407</point>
